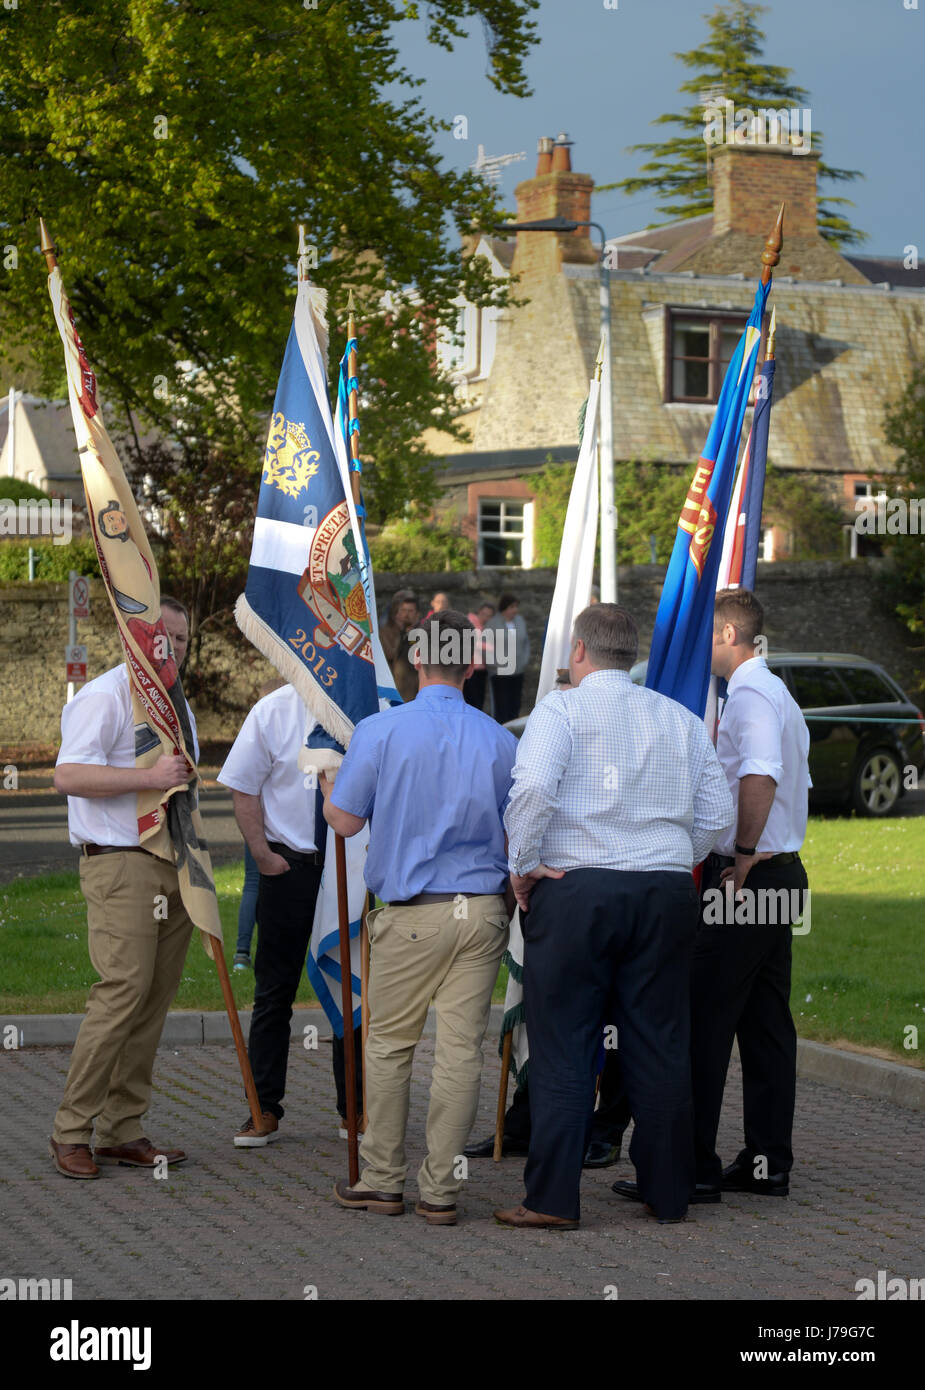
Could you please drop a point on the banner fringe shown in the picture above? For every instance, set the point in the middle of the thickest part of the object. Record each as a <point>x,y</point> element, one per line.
<point>262,636</point>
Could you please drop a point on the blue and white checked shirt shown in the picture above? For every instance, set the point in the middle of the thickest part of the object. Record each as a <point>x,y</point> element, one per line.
<point>613,776</point>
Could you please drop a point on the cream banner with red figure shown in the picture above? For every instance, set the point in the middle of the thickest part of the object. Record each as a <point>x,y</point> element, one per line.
<point>169,823</point>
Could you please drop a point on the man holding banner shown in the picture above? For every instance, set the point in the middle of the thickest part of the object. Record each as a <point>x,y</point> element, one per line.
<point>138,929</point>
<point>278,811</point>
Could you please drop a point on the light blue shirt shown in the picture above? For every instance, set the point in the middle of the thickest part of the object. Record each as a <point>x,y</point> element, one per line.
<point>613,776</point>
<point>444,772</point>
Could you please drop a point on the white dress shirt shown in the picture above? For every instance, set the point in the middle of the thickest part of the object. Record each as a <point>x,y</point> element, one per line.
<point>264,762</point>
<point>762,730</point>
<point>98,728</point>
<point>613,776</point>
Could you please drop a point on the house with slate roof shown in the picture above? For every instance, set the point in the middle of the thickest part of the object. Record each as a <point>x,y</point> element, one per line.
<point>849,330</point>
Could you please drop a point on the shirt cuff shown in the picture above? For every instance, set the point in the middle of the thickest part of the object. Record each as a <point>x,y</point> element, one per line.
<point>755,767</point>
<point>525,865</point>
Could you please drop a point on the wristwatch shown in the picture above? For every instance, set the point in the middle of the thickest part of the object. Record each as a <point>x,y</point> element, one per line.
<point>743,849</point>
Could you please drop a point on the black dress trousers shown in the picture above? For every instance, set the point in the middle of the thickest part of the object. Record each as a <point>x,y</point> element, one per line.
<point>605,946</point>
<point>740,988</point>
<point>285,911</point>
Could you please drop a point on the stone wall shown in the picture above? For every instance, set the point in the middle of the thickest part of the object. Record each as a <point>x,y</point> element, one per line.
<point>810,607</point>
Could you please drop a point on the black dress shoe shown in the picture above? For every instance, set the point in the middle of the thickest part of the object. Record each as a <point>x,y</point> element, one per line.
<point>487,1148</point>
<point>703,1192</point>
<point>740,1177</point>
<point>601,1155</point>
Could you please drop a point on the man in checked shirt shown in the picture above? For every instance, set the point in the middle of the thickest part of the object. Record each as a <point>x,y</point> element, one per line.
<point>617,794</point>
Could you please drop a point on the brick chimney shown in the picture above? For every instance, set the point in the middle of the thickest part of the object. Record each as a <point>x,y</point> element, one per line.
<point>751,181</point>
<point>554,191</point>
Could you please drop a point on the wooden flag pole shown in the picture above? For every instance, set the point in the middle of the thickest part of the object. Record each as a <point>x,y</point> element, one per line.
<point>502,1093</point>
<point>364,1001</point>
<point>218,953</point>
<point>250,1089</point>
<point>346,988</point>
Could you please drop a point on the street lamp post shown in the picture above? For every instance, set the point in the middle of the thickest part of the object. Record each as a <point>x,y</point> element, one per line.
<point>608,510</point>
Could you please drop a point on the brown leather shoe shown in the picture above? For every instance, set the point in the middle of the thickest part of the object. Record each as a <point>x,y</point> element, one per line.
<point>386,1203</point>
<point>249,1138</point>
<point>140,1153</point>
<point>523,1219</point>
<point>436,1215</point>
<point>73,1160</point>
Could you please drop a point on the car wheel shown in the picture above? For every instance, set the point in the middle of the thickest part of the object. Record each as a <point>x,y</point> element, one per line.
<point>877,783</point>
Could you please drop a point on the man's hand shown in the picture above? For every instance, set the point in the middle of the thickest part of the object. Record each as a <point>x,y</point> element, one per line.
<point>523,884</point>
<point>170,770</point>
<point>271,864</point>
<point>742,868</point>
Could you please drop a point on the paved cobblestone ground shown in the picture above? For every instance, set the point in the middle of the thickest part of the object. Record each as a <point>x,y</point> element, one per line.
<point>261,1224</point>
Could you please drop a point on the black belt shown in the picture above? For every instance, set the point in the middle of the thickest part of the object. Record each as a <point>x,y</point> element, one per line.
<point>315,858</point>
<point>726,861</point>
<point>420,899</point>
<point>91,850</point>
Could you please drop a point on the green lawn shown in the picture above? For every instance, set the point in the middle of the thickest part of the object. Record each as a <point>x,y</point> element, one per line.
<point>861,964</point>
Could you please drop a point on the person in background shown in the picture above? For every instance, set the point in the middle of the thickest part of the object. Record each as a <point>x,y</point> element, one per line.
<point>474,688</point>
<point>438,604</point>
<point>247,911</point>
<point>507,653</point>
<point>396,643</point>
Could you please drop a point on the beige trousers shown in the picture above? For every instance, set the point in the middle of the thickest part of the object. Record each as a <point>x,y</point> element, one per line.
<point>138,953</point>
<point>447,953</point>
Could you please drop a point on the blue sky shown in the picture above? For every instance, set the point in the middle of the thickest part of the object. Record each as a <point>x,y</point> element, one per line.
<point>603,74</point>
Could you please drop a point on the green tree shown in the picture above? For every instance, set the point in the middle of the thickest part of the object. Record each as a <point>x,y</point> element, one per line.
<point>420,545</point>
<point>904,428</point>
<point>649,498</point>
<point>800,505</point>
<point>174,147</point>
<point>728,66</point>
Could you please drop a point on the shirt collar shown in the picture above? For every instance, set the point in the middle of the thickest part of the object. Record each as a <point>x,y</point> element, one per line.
<point>597,676</point>
<point>439,692</point>
<point>742,672</point>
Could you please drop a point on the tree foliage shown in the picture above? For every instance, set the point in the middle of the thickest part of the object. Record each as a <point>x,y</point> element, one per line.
<point>729,66</point>
<point>173,148</point>
<point>904,428</point>
<point>418,545</point>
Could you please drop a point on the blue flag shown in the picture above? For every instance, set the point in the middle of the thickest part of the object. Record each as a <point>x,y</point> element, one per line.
<point>754,487</point>
<point>679,660</point>
<point>304,605</point>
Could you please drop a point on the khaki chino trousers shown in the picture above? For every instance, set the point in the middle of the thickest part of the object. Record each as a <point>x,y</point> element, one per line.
<point>139,933</point>
<point>448,954</point>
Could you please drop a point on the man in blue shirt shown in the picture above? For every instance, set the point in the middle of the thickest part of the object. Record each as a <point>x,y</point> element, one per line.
<point>432,777</point>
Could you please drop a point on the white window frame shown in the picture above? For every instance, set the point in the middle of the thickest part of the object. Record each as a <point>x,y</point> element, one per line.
<point>525,535</point>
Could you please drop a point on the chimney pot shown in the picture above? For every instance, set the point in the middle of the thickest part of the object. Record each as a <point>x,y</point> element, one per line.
<point>544,155</point>
<point>561,154</point>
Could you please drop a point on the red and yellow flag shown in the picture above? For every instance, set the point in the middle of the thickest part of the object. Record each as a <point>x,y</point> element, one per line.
<point>169,823</point>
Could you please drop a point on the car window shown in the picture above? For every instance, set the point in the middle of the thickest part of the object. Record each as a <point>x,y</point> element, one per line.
<point>818,686</point>
<point>867,687</point>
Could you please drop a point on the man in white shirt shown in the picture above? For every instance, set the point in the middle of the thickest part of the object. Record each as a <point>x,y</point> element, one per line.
<point>617,794</point>
<point>740,982</point>
<point>136,949</point>
<point>280,815</point>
